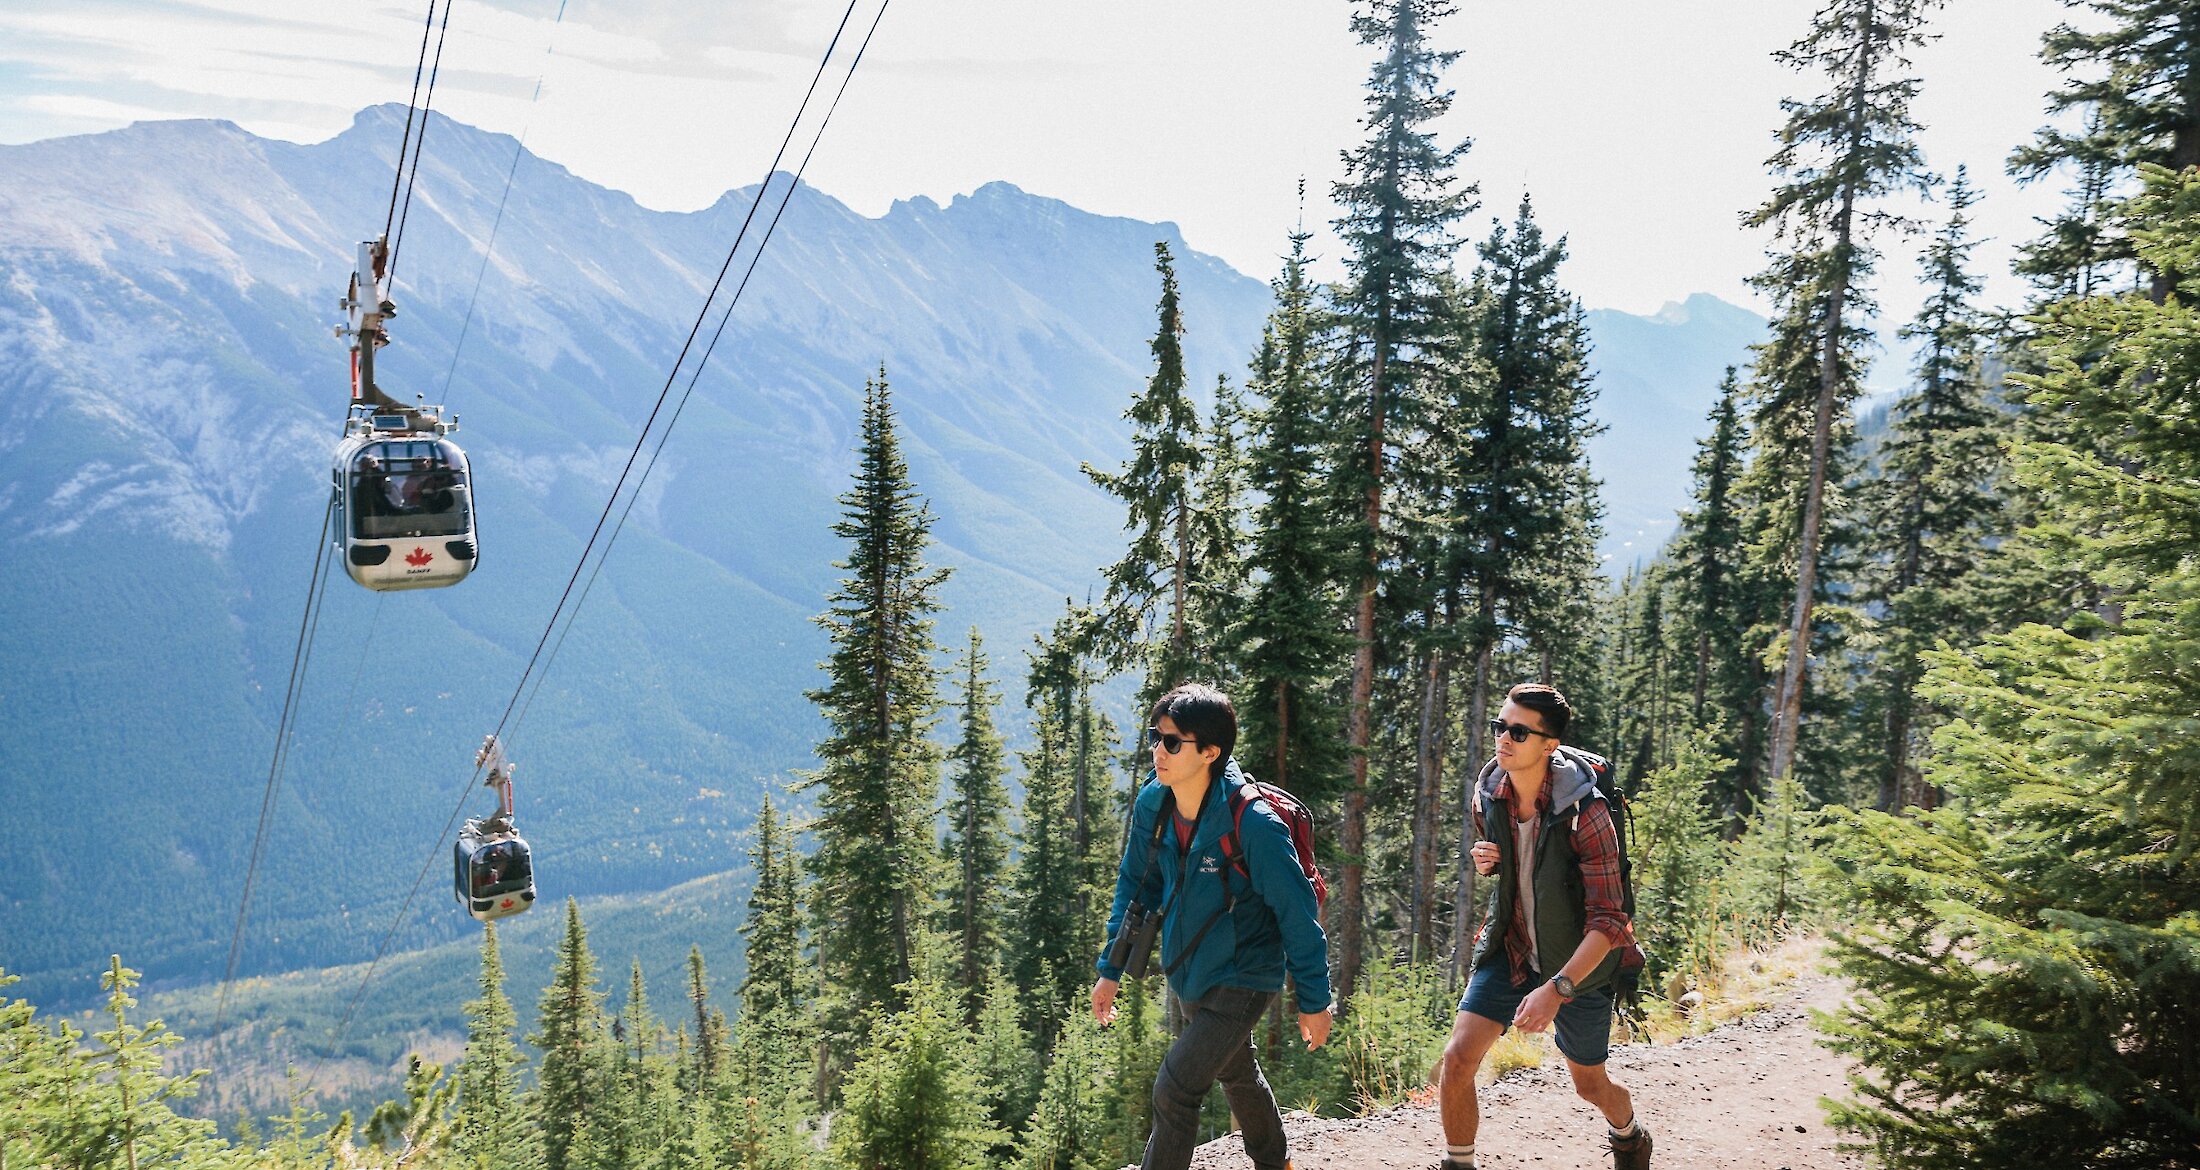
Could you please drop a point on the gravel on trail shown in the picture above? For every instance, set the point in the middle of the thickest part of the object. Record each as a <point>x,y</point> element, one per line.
<point>1742,1097</point>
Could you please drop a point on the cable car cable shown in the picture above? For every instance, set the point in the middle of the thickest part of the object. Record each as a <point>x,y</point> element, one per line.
<point>671,379</point>
<point>725,316</point>
<point>309,622</point>
<point>411,104</point>
<point>420,143</point>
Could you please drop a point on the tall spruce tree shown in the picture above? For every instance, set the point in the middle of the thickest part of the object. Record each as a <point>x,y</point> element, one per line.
<point>776,977</point>
<point>977,834</point>
<point>569,1034</point>
<point>1932,509</point>
<point>1715,610</point>
<point>2136,78</point>
<point>1291,642</point>
<point>1519,512</point>
<point>1400,196</point>
<point>1049,957</point>
<point>878,782</point>
<point>916,1101</point>
<point>1841,154</point>
<point>493,1127</point>
<point>1147,617</point>
<point>2046,915</point>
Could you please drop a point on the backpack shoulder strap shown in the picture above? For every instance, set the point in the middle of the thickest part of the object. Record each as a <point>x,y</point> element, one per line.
<point>1233,844</point>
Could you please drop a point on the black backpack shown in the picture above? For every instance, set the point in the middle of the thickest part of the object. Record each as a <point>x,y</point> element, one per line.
<point>1627,981</point>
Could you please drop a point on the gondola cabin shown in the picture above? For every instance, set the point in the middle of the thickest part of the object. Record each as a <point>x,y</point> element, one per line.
<point>492,870</point>
<point>404,506</point>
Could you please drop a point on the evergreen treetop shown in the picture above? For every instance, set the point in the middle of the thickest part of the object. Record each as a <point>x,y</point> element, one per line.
<point>878,783</point>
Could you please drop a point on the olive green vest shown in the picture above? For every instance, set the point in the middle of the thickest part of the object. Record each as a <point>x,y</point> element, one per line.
<point>1561,903</point>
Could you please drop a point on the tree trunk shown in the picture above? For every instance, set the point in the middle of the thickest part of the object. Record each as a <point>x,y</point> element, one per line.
<point>1462,908</point>
<point>1788,716</point>
<point>1428,801</point>
<point>1351,892</point>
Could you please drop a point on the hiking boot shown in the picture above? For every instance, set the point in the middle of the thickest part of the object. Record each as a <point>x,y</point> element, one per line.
<point>1448,1164</point>
<point>1632,1153</point>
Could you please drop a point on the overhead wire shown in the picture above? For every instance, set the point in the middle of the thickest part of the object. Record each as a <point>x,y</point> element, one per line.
<point>412,104</point>
<point>786,195</point>
<point>309,621</point>
<point>309,625</point>
<point>641,439</point>
<point>420,143</point>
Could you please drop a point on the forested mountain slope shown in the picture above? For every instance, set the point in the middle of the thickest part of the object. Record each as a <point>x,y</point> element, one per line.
<point>169,391</point>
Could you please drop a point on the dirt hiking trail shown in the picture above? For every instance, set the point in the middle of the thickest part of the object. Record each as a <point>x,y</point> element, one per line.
<point>1742,1096</point>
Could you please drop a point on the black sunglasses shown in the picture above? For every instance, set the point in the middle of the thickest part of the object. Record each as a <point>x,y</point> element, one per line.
<point>1171,741</point>
<point>1518,731</point>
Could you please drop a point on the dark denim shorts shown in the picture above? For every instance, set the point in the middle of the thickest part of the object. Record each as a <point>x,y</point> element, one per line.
<point>1584,1026</point>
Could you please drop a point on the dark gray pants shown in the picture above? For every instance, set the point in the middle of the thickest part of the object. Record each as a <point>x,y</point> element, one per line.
<point>1216,1044</point>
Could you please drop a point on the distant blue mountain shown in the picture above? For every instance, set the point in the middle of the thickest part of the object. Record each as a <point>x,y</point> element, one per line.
<point>1657,378</point>
<point>169,392</point>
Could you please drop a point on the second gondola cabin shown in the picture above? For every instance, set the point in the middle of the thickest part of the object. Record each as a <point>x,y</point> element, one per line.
<point>404,504</point>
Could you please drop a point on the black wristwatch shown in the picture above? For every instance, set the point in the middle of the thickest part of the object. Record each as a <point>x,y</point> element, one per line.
<point>1565,987</point>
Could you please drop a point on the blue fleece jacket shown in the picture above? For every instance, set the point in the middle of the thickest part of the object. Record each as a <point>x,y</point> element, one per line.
<point>1275,923</point>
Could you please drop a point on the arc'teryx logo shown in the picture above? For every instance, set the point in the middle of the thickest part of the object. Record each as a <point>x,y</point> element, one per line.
<point>418,557</point>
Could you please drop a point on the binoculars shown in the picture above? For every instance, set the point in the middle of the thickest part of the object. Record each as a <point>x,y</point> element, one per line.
<point>1133,946</point>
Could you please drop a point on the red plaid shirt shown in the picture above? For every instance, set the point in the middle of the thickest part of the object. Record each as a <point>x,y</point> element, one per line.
<point>1596,843</point>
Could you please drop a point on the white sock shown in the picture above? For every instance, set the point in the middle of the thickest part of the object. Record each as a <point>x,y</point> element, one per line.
<point>1461,1156</point>
<point>1624,1134</point>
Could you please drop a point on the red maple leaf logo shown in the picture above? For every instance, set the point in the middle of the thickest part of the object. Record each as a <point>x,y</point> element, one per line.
<point>506,904</point>
<point>419,557</point>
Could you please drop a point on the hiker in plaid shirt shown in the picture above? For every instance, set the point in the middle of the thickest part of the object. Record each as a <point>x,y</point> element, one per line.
<point>1556,929</point>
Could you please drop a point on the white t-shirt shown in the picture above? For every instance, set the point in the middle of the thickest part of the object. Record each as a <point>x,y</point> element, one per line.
<point>1524,883</point>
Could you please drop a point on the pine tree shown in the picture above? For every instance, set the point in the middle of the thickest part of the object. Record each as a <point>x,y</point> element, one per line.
<point>1005,1061</point>
<point>977,831</point>
<point>2138,83</point>
<point>112,1104</point>
<point>771,1112</point>
<point>1218,591</point>
<point>708,1056</point>
<point>878,784</point>
<point>1518,515</point>
<point>2079,252</point>
<point>1932,509</point>
<point>1400,197</point>
<point>1049,958</point>
<point>1712,606</point>
<point>570,1037</point>
<point>772,933</point>
<point>1290,643</point>
<point>1840,153</point>
<point>2046,913</point>
<point>1155,580</point>
<point>1070,1128</point>
<point>915,1101</point>
<point>493,1128</point>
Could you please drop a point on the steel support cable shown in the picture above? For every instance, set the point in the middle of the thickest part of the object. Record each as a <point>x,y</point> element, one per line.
<point>405,907</point>
<point>681,407</point>
<point>420,143</point>
<point>411,104</point>
<point>301,652</point>
<point>496,222</point>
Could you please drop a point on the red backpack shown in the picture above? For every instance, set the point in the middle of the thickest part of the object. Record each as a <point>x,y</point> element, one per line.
<point>1295,816</point>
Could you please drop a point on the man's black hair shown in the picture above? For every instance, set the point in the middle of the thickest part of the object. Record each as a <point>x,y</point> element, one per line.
<point>1544,700</point>
<point>1201,712</point>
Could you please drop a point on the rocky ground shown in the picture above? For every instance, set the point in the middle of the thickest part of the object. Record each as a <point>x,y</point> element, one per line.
<point>1743,1096</point>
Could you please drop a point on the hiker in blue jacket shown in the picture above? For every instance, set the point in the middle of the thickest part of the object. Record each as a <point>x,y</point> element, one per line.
<point>1227,936</point>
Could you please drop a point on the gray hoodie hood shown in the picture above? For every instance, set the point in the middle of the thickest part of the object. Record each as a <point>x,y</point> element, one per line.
<point>1571,779</point>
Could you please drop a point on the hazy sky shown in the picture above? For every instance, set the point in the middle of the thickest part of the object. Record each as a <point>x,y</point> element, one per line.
<point>1640,127</point>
